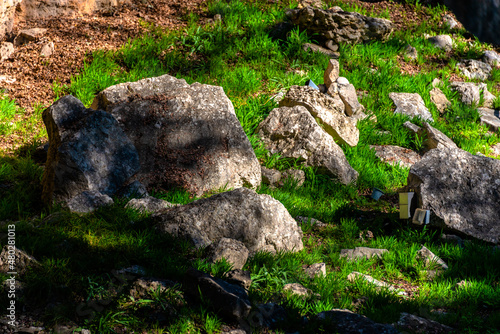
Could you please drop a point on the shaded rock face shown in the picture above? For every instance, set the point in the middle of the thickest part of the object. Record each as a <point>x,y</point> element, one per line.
<point>294,133</point>
<point>460,189</point>
<point>88,151</point>
<point>340,26</point>
<point>419,325</point>
<point>260,222</point>
<point>187,136</point>
<point>44,9</point>
<point>88,201</point>
<point>233,251</point>
<point>480,17</point>
<point>328,110</point>
<point>348,322</point>
<point>7,11</point>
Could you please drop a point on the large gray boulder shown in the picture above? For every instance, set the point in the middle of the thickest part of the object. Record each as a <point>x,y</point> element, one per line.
<point>461,190</point>
<point>260,222</point>
<point>187,136</point>
<point>328,110</point>
<point>340,26</point>
<point>88,151</point>
<point>294,133</point>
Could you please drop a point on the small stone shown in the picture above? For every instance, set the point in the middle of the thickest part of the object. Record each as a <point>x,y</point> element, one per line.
<point>316,269</point>
<point>232,250</point>
<point>492,58</point>
<point>412,127</point>
<point>239,277</point>
<point>270,176</point>
<point>352,277</point>
<point>442,42</point>
<point>311,221</point>
<point>450,22</point>
<point>429,258</point>
<point>278,97</point>
<point>316,48</point>
<point>495,150</point>
<point>436,82</point>
<point>29,35</point>
<point>88,201</point>
<point>490,118</point>
<point>395,155</point>
<point>468,91</point>
<point>6,50</point>
<point>143,286</point>
<point>331,45</point>
<point>410,104</point>
<point>149,204</point>
<point>439,100</point>
<point>342,81</point>
<point>362,252</point>
<point>296,289</point>
<point>332,72</point>
<point>47,49</point>
<point>410,52</point>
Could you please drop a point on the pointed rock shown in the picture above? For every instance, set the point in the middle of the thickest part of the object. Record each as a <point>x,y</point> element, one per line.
<point>435,138</point>
<point>332,72</point>
<point>469,92</point>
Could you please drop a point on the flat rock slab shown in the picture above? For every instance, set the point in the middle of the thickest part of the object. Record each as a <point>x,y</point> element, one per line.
<point>329,111</point>
<point>88,151</point>
<point>362,252</point>
<point>347,322</point>
<point>461,190</point>
<point>294,133</point>
<point>490,117</point>
<point>395,155</point>
<point>340,26</point>
<point>352,277</point>
<point>187,136</point>
<point>260,222</point>
<point>411,104</point>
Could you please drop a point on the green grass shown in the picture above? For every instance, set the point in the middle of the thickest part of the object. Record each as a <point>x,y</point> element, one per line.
<point>79,253</point>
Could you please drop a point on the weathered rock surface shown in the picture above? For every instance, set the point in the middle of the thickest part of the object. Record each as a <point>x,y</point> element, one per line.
<point>490,117</point>
<point>328,110</point>
<point>362,252</point>
<point>239,277</point>
<point>294,133</point>
<point>187,136</point>
<point>29,35</point>
<point>88,151</point>
<point>410,52</point>
<point>7,11</point>
<point>230,301</point>
<point>270,176</point>
<point>418,325</point>
<point>395,155</point>
<point>310,221</point>
<point>352,277</point>
<point>488,98</point>
<point>492,58</point>
<point>88,201</point>
<point>347,322</point>
<point>468,91</point>
<point>439,99</point>
<point>442,42</point>
<point>415,129</point>
<point>296,289</point>
<point>21,261</point>
<point>296,175</point>
<point>233,251</point>
<point>259,221</point>
<point>331,73</point>
<point>6,50</point>
<point>316,269</point>
<point>38,9</point>
<point>435,138</point>
<point>340,26</point>
<point>461,189</point>
<point>143,287</point>
<point>149,204</point>
<point>347,93</point>
<point>47,49</point>
<point>316,48</point>
<point>430,258</point>
<point>134,189</point>
<point>411,104</point>
<point>495,150</point>
<point>474,69</point>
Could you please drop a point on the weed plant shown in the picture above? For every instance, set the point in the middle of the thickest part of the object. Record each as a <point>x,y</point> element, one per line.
<point>252,61</point>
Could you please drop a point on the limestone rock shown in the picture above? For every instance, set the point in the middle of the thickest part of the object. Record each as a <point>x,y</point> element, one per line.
<point>149,204</point>
<point>316,269</point>
<point>362,252</point>
<point>329,111</point>
<point>233,251</point>
<point>88,151</point>
<point>88,201</point>
<point>410,52</point>
<point>259,221</point>
<point>492,58</point>
<point>39,10</point>
<point>21,261</point>
<point>418,325</point>
<point>450,22</point>
<point>310,221</point>
<point>187,136</point>
<point>468,91</point>
<point>7,12</point>
<point>296,289</point>
<point>331,73</point>
<point>340,26</point>
<point>439,99</point>
<point>294,133</point>
<point>347,93</point>
<point>347,322</point>
<point>395,155</point>
<point>435,138</point>
<point>495,149</point>
<point>474,69</point>
<point>270,176</point>
<point>462,191</point>
<point>415,129</point>
<point>229,300</point>
<point>332,46</point>
<point>296,175</point>
<point>29,35</point>
<point>47,49</point>
<point>316,48</point>
<point>352,277</point>
<point>310,3</point>
<point>442,42</point>
<point>411,104</point>
<point>142,287</point>
<point>488,98</point>
<point>490,117</point>
<point>239,277</point>
<point>6,50</point>
<point>430,258</point>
